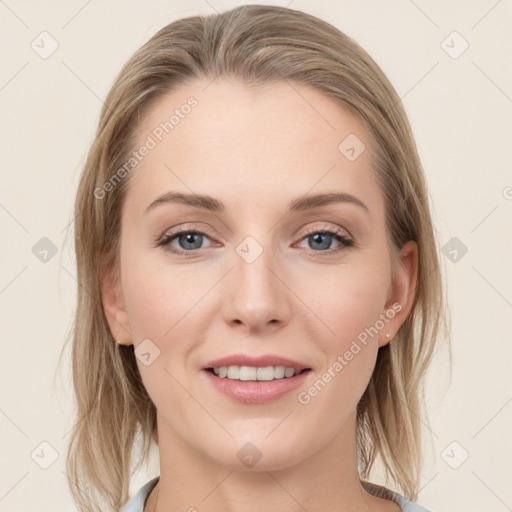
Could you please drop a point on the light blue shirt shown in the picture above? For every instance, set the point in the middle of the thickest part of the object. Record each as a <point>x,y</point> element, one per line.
<point>136,503</point>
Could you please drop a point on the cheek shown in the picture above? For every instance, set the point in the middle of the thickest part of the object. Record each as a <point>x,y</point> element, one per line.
<point>345,301</point>
<point>160,309</point>
<point>159,302</point>
<point>348,304</point>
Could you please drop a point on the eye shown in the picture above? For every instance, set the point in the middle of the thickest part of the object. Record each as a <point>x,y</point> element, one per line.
<point>320,239</point>
<point>187,241</point>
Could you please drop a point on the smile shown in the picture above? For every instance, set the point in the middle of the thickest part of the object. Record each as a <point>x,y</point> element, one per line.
<point>254,373</point>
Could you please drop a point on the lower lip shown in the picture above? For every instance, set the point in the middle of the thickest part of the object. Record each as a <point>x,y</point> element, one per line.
<point>256,392</point>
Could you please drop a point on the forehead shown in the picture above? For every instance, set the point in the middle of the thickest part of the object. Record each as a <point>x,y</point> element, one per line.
<point>251,145</point>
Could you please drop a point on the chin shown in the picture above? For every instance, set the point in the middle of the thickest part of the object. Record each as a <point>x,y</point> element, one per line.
<point>260,454</point>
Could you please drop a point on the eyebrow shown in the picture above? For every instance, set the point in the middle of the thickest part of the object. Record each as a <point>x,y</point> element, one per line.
<point>300,204</point>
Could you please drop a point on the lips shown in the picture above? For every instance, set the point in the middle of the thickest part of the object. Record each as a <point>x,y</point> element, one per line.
<point>255,392</point>
<point>256,361</point>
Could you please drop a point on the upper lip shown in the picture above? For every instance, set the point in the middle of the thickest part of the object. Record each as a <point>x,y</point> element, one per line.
<point>256,361</point>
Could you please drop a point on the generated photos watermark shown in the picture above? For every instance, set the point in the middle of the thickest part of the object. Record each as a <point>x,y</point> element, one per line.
<point>151,142</point>
<point>304,397</point>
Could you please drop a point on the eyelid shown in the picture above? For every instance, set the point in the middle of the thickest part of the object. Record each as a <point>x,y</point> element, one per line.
<point>192,227</point>
<point>330,229</point>
<point>188,228</point>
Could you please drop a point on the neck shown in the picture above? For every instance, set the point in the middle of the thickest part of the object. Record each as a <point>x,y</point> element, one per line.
<point>326,480</point>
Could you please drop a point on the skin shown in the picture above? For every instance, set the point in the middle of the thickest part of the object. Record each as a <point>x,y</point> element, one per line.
<point>256,150</point>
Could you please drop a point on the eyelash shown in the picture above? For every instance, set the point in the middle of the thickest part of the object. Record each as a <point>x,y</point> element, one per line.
<point>338,235</point>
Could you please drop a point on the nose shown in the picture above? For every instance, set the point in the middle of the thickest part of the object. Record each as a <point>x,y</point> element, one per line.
<point>256,296</point>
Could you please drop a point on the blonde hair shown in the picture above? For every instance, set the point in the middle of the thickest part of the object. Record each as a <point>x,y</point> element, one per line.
<point>257,44</point>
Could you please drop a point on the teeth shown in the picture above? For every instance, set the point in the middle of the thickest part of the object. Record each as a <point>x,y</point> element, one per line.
<point>252,373</point>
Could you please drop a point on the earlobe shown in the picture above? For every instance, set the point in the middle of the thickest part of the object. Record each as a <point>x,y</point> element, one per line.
<point>403,292</point>
<point>114,307</point>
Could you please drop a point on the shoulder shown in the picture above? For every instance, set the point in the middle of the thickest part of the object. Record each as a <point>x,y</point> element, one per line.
<point>384,492</point>
<point>136,503</point>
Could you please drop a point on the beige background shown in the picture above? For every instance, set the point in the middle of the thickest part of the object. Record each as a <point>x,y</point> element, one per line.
<point>460,109</point>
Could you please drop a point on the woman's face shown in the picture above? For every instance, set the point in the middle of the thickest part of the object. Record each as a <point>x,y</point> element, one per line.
<point>264,275</point>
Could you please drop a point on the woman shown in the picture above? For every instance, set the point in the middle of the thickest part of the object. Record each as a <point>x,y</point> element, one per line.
<point>260,287</point>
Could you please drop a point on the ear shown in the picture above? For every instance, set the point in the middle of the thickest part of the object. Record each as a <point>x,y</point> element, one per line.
<point>114,307</point>
<point>402,293</point>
